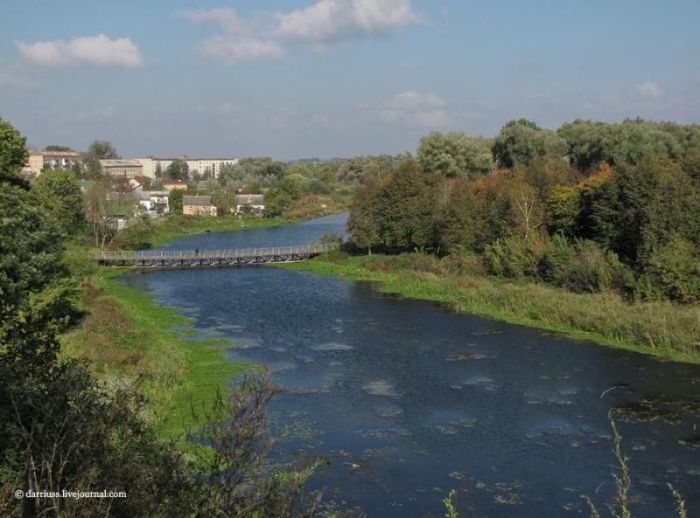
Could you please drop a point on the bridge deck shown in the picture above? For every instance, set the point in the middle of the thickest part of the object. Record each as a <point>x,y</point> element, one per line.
<point>204,258</point>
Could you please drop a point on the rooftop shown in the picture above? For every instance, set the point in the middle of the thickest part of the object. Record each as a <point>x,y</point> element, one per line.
<point>200,201</point>
<point>249,199</point>
<point>120,162</point>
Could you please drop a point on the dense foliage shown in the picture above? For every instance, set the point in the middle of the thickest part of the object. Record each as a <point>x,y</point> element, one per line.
<point>589,207</point>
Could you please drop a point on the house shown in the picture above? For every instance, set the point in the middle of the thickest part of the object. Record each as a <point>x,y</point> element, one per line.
<point>155,203</point>
<point>172,185</point>
<point>249,203</point>
<point>122,167</point>
<point>198,206</point>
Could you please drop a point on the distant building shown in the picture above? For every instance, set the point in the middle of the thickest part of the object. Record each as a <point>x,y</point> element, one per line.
<point>55,160</point>
<point>198,206</point>
<point>155,203</point>
<point>172,185</point>
<point>122,167</point>
<point>199,166</point>
<point>249,202</point>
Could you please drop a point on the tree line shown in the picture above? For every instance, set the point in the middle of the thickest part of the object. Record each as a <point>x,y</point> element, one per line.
<point>589,207</point>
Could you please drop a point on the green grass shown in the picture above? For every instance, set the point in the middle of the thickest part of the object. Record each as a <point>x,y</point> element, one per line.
<point>130,339</point>
<point>662,329</point>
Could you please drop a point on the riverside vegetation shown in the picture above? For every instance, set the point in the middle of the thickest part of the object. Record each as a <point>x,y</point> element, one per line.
<point>98,391</point>
<point>593,229</point>
<point>97,388</point>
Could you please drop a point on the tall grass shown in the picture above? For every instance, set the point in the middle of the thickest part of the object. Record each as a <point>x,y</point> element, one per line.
<point>130,339</point>
<point>659,328</point>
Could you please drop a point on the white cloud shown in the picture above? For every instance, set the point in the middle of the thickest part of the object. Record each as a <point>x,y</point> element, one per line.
<point>239,40</point>
<point>97,50</point>
<point>232,49</point>
<point>223,16</point>
<point>416,108</point>
<point>649,90</point>
<point>334,20</point>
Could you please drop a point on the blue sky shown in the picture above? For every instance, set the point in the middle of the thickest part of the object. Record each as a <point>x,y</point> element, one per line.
<point>327,78</point>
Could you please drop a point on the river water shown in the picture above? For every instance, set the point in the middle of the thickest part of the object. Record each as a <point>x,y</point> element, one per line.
<point>406,400</point>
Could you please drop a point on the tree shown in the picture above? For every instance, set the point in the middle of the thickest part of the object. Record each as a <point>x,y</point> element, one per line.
<point>520,141</point>
<point>97,214</point>
<point>456,221</point>
<point>98,150</point>
<point>59,192</point>
<point>13,154</point>
<point>177,170</point>
<point>363,223</point>
<point>175,201</point>
<point>640,209</point>
<point>455,154</point>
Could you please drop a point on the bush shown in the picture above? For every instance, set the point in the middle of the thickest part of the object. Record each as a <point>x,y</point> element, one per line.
<point>583,267</point>
<point>673,271</point>
<point>590,269</point>
<point>136,236</point>
<point>556,260</point>
<point>512,257</point>
<point>463,264</point>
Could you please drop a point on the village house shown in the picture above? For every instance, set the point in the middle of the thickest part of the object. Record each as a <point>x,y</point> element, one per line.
<point>254,203</point>
<point>198,206</point>
<point>155,203</point>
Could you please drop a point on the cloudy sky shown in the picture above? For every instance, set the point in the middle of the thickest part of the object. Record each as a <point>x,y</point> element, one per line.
<point>326,78</point>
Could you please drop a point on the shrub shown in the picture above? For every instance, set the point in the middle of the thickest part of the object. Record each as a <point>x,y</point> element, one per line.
<point>590,269</point>
<point>136,236</point>
<point>583,267</point>
<point>556,260</point>
<point>672,271</point>
<point>513,257</point>
<point>463,264</point>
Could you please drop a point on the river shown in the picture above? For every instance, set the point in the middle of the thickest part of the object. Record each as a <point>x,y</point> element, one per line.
<point>407,400</point>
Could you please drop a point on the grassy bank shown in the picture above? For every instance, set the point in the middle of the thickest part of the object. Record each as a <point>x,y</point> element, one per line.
<point>661,329</point>
<point>130,340</point>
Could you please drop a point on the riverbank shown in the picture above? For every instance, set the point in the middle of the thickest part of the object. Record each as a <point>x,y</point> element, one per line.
<point>660,329</point>
<point>130,340</point>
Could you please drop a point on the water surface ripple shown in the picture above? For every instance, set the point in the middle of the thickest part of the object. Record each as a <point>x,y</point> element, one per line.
<point>408,401</point>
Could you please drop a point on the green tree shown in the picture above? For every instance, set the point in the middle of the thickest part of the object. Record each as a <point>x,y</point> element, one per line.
<point>98,150</point>
<point>455,154</point>
<point>59,193</point>
<point>456,221</point>
<point>13,154</point>
<point>175,201</point>
<point>520,141</point>
<point>363,222</point>
<point>642,207</point>
<point>177,170</point>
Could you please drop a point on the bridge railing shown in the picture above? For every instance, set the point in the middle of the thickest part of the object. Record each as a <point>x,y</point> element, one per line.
<point>151,255</point>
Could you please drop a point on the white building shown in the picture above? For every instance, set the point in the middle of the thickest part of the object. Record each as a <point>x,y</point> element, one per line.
<point>249,202</point>
<point>195,165</point>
